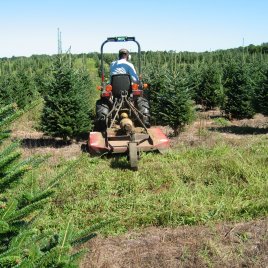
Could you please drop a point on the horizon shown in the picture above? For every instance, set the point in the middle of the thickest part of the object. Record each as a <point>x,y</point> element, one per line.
<point>115,52</point>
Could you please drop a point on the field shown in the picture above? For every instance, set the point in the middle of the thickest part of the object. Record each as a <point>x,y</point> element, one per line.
<point>202,204</point>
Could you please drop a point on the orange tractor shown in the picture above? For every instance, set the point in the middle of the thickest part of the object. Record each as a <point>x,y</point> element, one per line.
<point>122,116</point>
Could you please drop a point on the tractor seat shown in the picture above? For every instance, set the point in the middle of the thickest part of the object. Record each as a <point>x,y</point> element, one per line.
<point>120,82</point>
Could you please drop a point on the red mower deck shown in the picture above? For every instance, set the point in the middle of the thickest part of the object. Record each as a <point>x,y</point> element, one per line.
<point>112,142</point>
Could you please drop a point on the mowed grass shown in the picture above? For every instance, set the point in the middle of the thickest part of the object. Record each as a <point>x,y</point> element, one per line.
<point>190,186</point>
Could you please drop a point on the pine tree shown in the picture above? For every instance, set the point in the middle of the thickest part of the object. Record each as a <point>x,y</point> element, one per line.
<point>239,90</point>
<point>195,72</point>
<point>66,109</point>
<point>170,99</point>
<point>14,229</point>
<point>18,87</point>
<point>210,91</point>
<point>261,93</point>
<point>26,91</point>
<point>156,79</point>
<point>21,245</point>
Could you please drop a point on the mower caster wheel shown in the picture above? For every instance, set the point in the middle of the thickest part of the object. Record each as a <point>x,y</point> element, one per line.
<point>133,155</point>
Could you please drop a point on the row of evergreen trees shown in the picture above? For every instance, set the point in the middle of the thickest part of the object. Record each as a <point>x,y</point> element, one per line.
<point>234,80</point>
<point>237,85</point>
<point>62,81</point>
<point>22,79</point>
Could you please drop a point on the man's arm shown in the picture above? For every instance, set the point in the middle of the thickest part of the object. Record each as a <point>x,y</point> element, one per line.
<point>132,73</point>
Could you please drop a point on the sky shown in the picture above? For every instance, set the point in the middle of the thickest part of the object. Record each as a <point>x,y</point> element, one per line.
<point>29,27</point>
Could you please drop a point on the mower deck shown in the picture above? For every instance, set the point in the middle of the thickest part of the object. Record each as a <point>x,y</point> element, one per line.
<point>114,141</point>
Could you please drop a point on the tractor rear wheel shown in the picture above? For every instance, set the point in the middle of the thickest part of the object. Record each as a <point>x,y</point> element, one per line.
<point>102,110</point>
<point>144,108</point>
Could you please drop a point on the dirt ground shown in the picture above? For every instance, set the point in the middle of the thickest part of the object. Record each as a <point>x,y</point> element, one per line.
<point>206,130</point>
<point>224,245</point>
<point>34,142</point>
<point>203,131</point>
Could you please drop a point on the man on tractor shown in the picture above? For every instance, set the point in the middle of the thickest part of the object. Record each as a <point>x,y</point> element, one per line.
<point>121,66</point>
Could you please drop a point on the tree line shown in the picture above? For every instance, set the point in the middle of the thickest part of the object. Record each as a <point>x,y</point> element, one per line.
<point>64,84</point>
<point>234,80</point>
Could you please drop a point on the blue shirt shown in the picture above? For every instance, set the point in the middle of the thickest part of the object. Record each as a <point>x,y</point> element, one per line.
<point>124,67</point>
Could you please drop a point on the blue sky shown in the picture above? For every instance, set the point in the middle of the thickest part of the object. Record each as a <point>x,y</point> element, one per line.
<point>30,26</point>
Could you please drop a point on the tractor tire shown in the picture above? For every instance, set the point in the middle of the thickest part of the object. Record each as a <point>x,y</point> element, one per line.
<point>144,108</point>
<point>102,110</point>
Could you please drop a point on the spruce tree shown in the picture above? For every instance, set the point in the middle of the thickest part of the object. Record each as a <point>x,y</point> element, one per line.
<point>67,104</point>
<point>156,79</point>
<point>239,90</point>
<point>18,87</point>
<point>25,90</point>
<point>170,99</point>
<point>210,90</point>
<point>22,245</point>
<point>194,73</point>
<point>261,93</point>
<point>16,237</point>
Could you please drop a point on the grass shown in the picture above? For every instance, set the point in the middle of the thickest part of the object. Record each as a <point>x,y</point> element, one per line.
<point>222,122</point>
<point>188,185</point>
<point>185,186</point>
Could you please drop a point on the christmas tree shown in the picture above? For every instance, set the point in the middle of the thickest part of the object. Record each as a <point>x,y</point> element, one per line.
<point>67,103</point>
<point>22,245</point>
<point>170,98</point>
<point>239,90</point>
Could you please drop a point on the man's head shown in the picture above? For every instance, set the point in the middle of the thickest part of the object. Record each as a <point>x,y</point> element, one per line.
<point>123,54</point>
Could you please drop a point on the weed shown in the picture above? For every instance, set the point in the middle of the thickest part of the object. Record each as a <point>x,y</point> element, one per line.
<point>244,236</point>
<point>222,122</point>
<point>206,255</point>
<point>203,133</point>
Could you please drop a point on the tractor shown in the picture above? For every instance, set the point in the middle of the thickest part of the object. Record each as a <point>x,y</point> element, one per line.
<point>122,116</point>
